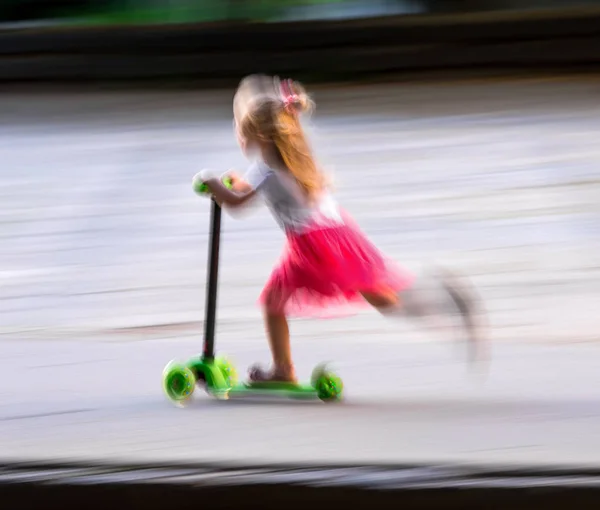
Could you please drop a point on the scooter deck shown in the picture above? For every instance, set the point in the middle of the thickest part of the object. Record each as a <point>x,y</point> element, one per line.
<point>276,389</point>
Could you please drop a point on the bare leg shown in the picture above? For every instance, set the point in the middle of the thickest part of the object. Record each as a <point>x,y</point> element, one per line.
<point>384,301</point>
<point>438,302</point>
<point>417,302</point>
<point>428,299</point>
<point>278,333</point>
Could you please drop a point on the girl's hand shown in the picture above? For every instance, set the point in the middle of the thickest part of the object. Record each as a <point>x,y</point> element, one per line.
<point>238,182</point>
<point>234,176</point>
<point>199,181</point>
<point>207,182</point>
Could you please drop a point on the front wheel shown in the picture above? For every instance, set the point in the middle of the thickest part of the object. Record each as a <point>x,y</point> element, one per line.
<point>178,383</point>
<point>228,370</point>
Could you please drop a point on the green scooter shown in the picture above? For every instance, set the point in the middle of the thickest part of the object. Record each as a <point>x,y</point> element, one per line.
<point>216,374</point>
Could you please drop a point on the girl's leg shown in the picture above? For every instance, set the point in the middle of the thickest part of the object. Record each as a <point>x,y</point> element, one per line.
<point>278,334</point>
<point>384,301</point>
<point>425,299</point>
<point>437,301</point>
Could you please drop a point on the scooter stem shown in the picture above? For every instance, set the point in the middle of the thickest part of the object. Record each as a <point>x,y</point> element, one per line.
<point>208,352</point>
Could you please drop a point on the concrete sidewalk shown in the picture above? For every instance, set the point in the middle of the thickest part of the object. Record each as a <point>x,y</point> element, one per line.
<point>405,403</point>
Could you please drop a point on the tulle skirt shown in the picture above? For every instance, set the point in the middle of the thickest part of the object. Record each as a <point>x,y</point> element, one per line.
<point>324,271</point>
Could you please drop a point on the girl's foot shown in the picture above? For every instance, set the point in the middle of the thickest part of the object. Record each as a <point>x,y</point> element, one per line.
<point>277,374</point>
<point>442,297</point>
<point>469,306</point>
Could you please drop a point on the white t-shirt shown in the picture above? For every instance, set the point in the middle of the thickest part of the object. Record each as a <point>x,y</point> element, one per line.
<point>287,202</point>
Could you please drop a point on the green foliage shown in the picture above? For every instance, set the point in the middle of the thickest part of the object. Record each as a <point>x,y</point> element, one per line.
<point>151,11</point>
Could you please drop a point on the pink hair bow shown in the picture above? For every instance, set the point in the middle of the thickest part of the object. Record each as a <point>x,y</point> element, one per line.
<point>289,97</point>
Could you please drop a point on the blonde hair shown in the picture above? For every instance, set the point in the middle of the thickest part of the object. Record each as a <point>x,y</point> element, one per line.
<point>268,110</point>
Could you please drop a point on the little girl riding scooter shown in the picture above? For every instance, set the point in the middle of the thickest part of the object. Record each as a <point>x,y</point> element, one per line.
<point>327,260</point>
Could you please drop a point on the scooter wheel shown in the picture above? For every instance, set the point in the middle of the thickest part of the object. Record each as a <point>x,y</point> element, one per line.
<point>228,370</point>
<point>178,383</point>
<point>329,387</point>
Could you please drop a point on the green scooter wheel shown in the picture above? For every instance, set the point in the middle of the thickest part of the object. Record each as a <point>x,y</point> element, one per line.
<point>329,387</point>
<point>178,382</point>
<point>228,370</point>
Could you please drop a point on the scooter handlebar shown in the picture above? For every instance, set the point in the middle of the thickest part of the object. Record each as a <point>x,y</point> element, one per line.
<point>201,187</point>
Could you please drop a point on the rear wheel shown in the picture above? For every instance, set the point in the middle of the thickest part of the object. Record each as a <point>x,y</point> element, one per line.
<point>329,386</point>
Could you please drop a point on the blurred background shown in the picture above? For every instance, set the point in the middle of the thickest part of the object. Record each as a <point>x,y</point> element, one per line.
<point>488,163</point>
<point>98,12</point>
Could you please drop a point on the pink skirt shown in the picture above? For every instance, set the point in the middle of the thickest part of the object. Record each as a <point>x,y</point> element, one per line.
<point>324,271</point>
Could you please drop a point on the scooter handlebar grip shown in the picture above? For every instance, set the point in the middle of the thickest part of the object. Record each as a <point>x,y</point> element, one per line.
<point>201,187</point>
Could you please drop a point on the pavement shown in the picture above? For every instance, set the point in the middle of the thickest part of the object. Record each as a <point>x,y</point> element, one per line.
<point>103,266</point>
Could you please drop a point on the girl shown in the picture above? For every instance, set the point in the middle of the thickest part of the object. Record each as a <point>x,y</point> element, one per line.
<point>327,261</point>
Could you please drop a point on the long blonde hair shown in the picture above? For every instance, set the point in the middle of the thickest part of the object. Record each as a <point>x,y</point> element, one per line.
<point>268,110</point>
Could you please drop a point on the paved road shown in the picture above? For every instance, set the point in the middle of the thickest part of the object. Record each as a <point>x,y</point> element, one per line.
<point>102,268</point>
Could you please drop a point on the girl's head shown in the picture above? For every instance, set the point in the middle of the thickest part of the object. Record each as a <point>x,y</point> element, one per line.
<point>267,119</point>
